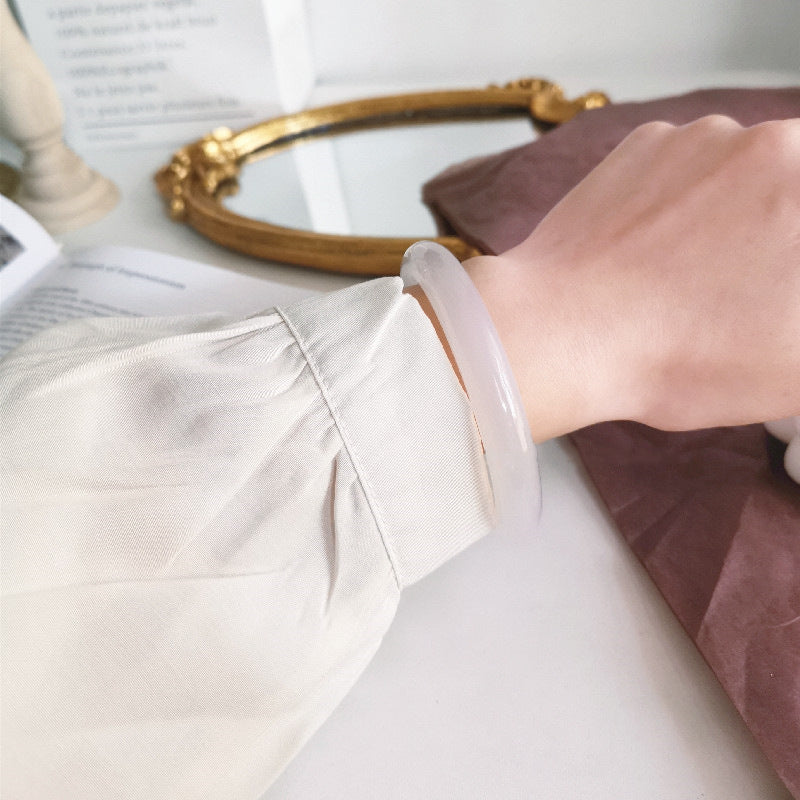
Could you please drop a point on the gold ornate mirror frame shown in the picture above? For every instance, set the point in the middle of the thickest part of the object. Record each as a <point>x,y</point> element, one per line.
<point>202,173</point>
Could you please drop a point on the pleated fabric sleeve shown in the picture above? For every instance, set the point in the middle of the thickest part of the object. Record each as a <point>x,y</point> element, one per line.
<point>206,525</point>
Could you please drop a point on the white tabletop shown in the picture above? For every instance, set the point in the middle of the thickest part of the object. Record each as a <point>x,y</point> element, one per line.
<point>544,667</point>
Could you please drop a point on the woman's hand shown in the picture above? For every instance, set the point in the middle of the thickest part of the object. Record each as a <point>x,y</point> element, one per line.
<point>664,288</point>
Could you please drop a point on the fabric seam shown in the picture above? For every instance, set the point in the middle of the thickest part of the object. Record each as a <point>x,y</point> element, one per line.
<point>365,483</point>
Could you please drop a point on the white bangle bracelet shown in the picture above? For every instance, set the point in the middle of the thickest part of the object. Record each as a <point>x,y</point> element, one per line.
<point>496,404</point>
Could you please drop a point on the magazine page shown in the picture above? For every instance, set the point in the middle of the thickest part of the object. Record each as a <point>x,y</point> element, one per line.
<point>26,251</point>
<point>124,281</point>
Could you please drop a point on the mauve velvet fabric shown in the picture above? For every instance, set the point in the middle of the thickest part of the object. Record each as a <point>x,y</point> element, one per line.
<point>711,514</point>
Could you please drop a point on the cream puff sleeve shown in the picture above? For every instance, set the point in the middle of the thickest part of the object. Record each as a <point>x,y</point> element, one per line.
<point>206,526</point>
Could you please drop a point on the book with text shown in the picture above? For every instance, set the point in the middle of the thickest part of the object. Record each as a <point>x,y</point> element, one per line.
<point>41,287</point>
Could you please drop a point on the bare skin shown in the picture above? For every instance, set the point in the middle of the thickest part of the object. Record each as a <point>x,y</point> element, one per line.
<point>664,288</point>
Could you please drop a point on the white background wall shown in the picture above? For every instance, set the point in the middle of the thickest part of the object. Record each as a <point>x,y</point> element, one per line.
<point>388,40</point>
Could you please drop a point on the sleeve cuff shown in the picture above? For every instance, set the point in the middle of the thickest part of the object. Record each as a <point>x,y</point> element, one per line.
<point>403,417</point>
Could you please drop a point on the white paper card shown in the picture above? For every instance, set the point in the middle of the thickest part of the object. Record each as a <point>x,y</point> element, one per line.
<point>162,71</point>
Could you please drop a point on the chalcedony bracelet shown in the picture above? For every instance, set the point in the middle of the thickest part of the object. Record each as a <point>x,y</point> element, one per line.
<point>493,393</point>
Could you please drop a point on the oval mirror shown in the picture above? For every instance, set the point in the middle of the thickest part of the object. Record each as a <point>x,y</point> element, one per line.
<point>333,210</point>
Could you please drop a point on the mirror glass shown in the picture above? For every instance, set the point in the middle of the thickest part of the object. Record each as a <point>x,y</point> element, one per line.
<point>367,183</point>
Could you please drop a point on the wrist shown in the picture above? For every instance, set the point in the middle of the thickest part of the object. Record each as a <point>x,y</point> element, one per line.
<point>419,295</point>
<point>563,353</point>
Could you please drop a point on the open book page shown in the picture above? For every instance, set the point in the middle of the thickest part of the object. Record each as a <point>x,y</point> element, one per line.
<point>123,281</point>
<point>26,251</point>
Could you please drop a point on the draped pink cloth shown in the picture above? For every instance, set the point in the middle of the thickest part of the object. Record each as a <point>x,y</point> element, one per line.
<point>711,514</point>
